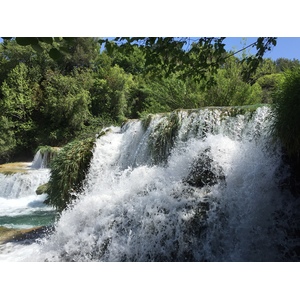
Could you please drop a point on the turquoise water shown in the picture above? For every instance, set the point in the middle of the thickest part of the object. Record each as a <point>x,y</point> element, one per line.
<point>35,219</point>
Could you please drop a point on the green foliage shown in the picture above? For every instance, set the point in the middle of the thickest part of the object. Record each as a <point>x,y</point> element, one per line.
<point>287,111</point>
<point>7,139</point>
<point>283,64</point>
<point>12,54</point>
<point>55,47</point>
<point>66,105</point>
<point>54,90</point>
<point>48,149</point>
<point>17,104</point>
<point>269,83</point>
<point>167,94</point>
<point>196,57</point>
<point>262,45</point>
<point>133,63</point>
<point>230,89</point>
<point>95,125</point>
<point>68,171</point>
<point>110,94</point>
<point>74,53</point>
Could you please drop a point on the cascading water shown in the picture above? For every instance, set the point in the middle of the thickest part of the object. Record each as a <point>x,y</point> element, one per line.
<point>191,186</point>
<point>39,161</point>
<point>20,206</point>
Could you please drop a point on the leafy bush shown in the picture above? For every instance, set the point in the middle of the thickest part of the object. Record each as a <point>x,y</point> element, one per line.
<point>269,83</point>
<point>287,111</point>
<point>109,95</point>
<point>66,106</point>
<point>68,171</point>
<point>230,89</point>
<point>7,139</point>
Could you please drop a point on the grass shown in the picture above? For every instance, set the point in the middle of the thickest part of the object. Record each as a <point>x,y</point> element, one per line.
<point>68,171</point>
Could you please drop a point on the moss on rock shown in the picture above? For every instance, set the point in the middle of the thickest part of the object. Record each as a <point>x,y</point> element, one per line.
<point>163,137</point>
<point>42,189</point>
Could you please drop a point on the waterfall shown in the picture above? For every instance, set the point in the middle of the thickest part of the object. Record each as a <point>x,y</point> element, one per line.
<point>43,158</point>
<point>22,184</point>
<point>201,185</point>
<point>20,206</point>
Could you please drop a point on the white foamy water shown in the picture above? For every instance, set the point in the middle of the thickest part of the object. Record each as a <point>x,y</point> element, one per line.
<point>142,203</point>
<point>20,206</point>
<point>22,184</point>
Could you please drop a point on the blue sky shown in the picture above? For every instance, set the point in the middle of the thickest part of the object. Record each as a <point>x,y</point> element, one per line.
<point>287,47</point>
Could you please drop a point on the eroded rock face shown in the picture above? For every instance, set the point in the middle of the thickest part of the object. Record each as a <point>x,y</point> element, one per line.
<point>204,171</point>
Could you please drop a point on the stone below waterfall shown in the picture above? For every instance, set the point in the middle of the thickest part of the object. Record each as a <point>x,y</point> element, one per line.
<point>204,171</point>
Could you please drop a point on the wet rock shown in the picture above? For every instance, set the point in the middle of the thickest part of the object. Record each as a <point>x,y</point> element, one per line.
<point>42,189</point>
<point>204,171</point>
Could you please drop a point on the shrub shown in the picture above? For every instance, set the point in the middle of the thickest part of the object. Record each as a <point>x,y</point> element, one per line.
<point>287,111</point>
<point>269,83</point>
<point>68,171</point>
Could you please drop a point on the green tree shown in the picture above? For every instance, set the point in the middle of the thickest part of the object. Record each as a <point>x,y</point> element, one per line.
<point>7,139</point>
<point>287,111</point>
<point>16,102</point>
<point>110,94</point>
<point>169,94</point>
<point>197,57</point>
<point>132,62</point>
<point>79,52</point>
<point>283,64</point>
<point>66,105</point>
<point>269,83</point>
<point>17,105</point>
<point>12,54</point>
<point>230,88</point>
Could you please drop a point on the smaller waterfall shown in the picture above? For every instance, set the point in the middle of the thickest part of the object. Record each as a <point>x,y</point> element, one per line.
<point>43,158</point>
<point>20,206</point>
<point>39,160</point>
<point>20,185</point>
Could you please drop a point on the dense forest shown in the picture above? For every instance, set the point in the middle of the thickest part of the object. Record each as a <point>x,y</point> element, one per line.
<point>46,101</point>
